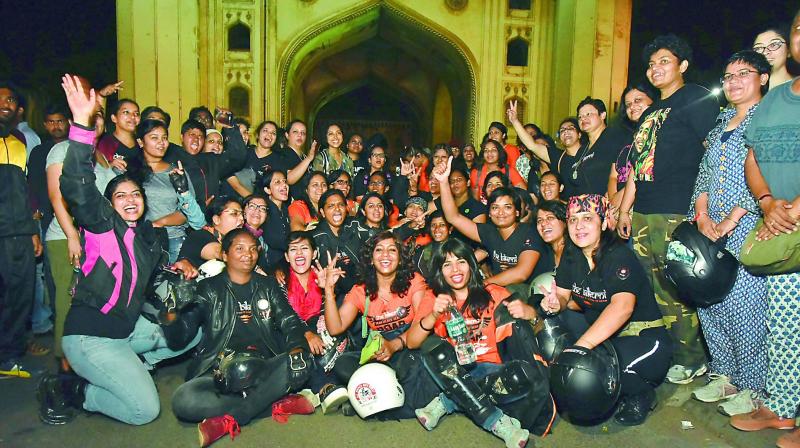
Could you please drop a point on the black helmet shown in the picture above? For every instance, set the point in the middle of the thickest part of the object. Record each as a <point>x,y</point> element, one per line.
<point>585,383</point>
<point>511,383</point>
<point>237,371</point>
<point>553,337</point>
<point>702,270</point>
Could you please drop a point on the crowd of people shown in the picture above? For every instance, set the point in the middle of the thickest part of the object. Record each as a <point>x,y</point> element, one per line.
<point>281,269</point>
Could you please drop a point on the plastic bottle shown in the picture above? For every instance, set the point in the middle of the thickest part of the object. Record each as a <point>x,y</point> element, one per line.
<point>73,284</point>
<point>458,332</point>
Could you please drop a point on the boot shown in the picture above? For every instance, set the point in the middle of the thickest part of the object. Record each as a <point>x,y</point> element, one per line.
<point>53,408</point>
<point>212,429</point>
<point>73,389</point>
<point>509,429</point>
<point>633,410</point>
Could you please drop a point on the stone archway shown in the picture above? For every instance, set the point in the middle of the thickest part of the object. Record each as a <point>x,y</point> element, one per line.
<point>385,50</point>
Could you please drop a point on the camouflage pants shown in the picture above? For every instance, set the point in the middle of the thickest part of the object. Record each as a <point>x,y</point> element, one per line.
<point>650,238</point>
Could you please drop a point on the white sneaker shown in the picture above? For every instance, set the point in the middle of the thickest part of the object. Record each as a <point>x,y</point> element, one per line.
<point>508,429</point>
<point>430,415</point>
<point>679,374</point>
<point>741,403</point>
<point>718,388</point>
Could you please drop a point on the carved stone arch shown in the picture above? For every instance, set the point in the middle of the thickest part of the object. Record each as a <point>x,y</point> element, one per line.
<point>389,21</point>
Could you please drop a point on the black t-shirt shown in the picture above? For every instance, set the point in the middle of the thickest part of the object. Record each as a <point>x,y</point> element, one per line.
<point>271,161</point>
<point>504,254</point>
<point>246,335</point>
<point>37,182</point>
<point>669,146</point>
<point>276,231</point>
<point>618,271</point>
<point>193,245</point>
<point>547,258</point>
<point>562,163</point>
<point>591,166</point>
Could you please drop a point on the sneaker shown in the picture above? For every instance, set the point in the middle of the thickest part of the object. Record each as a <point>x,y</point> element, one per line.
<point>214,428</point>
<point>15,369</point>
<point>509,429</point>
<point>430,415</point>
<point>789,440</point>
<point>310,396</point>
<point>718,388</point>
<point>332,397</point>
<point>679,374</point>
<point>742,403</point>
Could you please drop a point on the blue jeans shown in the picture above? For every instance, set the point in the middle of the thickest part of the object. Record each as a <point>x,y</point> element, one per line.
<point>481,370</point>
<point>40,317</point>
<point>120,385</point>
<point>175,248</point>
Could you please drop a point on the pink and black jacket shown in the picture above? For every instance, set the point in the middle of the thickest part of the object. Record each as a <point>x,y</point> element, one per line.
<point>118,261</point>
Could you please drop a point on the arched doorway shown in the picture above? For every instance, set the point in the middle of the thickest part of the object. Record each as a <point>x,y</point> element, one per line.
<point>379,67</point>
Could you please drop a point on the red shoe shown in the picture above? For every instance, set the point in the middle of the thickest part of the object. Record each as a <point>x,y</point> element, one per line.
<point>789,440</point>
<point>214,428</point>
<point>761,418</point>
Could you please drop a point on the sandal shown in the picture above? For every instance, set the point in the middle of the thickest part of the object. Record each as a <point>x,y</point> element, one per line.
<point>37,349</point>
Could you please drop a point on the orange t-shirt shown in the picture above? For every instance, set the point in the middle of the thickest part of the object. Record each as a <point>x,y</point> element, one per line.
<point>388,315</point>
<point>483,333</point>
<point>512,153</point>
<point>476,178</point>
<point>299,208</point>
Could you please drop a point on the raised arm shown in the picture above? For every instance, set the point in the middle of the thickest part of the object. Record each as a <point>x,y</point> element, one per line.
<point>538,150</point>
<point>90,209</point>
<point>464,225</point>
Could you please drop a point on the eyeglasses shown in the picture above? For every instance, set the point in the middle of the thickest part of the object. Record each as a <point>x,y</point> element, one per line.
<point>741,74</point>
<point>233,212</point>
<point>378,183</point>
<point>379,156</point>
<point>256,207</point>
<point>567,129</point>
<point>341,182</point>
<point>772,46</point>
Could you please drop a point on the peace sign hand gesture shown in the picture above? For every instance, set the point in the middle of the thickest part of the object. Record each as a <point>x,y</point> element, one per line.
<point>512,111</point>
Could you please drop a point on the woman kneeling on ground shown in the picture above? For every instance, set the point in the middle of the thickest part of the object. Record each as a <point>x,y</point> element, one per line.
<point>105,334</point>
<point>605,281</point>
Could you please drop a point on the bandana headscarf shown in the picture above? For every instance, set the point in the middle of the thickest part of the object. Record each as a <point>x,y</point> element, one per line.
<point>588,203</point>
<point>418,201</point>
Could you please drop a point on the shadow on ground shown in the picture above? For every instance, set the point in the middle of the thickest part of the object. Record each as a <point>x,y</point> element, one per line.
<point>20,427</point>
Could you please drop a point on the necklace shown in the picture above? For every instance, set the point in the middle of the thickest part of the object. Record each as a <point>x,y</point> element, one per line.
<point>578,164</point>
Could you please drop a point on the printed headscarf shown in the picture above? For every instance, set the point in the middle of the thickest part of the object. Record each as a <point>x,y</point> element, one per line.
<point>588,203</point>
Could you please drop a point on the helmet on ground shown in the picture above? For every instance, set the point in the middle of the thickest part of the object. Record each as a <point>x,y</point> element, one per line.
<point>237,371</point>
<point>374,388</point>
<point>585,383</point>
<point>702,270</point>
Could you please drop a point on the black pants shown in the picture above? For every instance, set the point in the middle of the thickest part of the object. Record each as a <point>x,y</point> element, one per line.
<point>198,398</point>
<point>643,360</point>
<point>17,279</point>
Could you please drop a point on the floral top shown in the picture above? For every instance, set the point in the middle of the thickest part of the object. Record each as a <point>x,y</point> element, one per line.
<point>721,176</point>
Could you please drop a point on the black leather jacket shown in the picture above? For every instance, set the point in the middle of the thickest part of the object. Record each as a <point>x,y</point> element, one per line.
<point>281,329</point>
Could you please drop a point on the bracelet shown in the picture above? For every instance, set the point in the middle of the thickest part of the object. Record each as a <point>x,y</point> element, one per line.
<point>731,220</point>
<point>423,327</point>
<point>699,214</point>
<point>403,343</point>
<point>764,196</point>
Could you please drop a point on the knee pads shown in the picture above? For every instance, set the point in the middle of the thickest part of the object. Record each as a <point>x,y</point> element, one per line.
<point>440,357</point>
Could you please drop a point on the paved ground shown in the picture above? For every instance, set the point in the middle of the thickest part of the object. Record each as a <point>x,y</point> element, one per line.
<point>20,427</point>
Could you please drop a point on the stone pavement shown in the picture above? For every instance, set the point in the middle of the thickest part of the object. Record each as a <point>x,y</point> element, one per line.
<point>20,427</point>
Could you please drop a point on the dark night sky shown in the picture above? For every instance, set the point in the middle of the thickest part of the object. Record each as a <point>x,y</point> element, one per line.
<point>41,39</point>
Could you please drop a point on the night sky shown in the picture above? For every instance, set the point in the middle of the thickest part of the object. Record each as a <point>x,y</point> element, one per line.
<point>40,40</point>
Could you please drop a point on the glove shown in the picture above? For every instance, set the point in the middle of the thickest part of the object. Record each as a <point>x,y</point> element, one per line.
<point>181,331</point>
<point>299,369</point>
<point>179,182</point>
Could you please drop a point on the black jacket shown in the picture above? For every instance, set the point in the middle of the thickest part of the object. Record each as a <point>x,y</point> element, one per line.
<point>281,329</point>
<point>118,261</point>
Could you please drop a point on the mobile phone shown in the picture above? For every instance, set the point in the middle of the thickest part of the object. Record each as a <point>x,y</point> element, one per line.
<point>224,118</point>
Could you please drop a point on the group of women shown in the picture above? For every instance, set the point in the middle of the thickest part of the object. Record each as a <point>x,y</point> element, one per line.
<point>447,234</point>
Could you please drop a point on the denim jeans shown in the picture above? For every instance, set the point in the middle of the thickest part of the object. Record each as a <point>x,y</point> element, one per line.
<point>175,248</point>
<point>40,317</point>
<point>481,370</point>
<point>120,385</point>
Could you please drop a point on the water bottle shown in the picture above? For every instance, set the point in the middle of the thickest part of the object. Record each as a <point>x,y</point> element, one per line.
<point>73,284</point>
<point>458,332</point>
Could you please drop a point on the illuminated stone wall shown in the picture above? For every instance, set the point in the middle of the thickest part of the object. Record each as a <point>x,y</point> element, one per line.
<point>449,65</point>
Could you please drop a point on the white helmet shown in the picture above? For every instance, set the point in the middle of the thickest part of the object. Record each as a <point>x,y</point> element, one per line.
<point>544,280</point>
<point>374,388</point>
<point>210,268</point>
